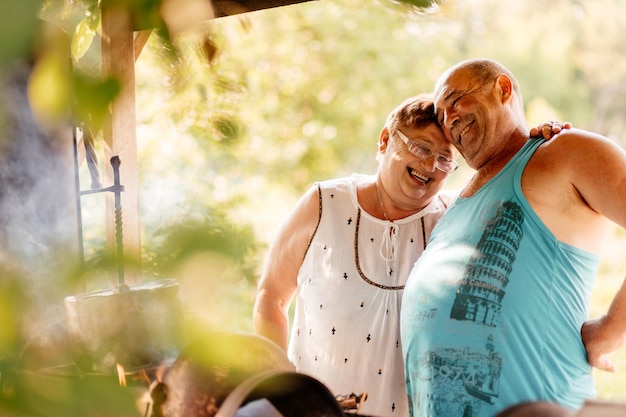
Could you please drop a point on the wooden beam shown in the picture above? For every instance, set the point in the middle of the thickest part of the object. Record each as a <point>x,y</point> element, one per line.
<point>118,60</point>
<point>232,7</point>
<point>141,38</point>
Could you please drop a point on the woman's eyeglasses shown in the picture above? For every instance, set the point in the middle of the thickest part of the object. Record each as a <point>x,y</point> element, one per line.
<point>422,151</point>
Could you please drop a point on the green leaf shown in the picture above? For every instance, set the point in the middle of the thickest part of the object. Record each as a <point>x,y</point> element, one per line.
<point>92,99</point>
<point>83,37</point>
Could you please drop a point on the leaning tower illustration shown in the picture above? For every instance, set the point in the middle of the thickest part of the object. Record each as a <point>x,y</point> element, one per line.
<point>486,276</point>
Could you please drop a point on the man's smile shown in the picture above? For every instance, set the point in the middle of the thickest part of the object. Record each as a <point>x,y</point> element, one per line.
<point>463,132</point>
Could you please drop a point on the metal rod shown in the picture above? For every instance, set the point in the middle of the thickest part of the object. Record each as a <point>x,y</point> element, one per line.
<point>91,158</point>
<point>113,188</point>
<point>79,214</point>
<point>115,163</point>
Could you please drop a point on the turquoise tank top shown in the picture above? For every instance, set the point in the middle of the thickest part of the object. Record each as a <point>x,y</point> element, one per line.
<point>492,311</point>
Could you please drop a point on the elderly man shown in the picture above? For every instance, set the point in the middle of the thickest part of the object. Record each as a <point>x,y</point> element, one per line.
<point>493,311</point>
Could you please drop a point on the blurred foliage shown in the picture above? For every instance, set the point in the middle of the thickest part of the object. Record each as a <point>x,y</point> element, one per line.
<point>12,300</point>
<point>18,29</point>
<point>320,106</point>
<point>177,241</point>
<point>37,394</point>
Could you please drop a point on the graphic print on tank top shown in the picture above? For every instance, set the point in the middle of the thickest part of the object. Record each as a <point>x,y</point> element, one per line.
<point>468,377</point>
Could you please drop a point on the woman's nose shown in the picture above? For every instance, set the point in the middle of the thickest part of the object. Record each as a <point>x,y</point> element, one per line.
<point>430,163</point>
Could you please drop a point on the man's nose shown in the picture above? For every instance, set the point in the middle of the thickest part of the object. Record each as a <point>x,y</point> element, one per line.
<point>449,118</point>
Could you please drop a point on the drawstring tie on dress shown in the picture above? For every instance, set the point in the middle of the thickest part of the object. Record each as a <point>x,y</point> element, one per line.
<point>388,246</point>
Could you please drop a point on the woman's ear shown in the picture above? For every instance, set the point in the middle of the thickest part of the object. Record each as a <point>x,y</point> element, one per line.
<point>383,140</point>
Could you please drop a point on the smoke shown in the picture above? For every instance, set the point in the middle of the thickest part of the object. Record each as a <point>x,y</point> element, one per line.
<point>37,209</point>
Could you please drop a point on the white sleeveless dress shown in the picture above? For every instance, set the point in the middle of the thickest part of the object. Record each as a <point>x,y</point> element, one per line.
<point>346,329</point>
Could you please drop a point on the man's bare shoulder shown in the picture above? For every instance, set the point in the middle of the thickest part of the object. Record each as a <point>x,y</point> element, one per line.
<point>573,139</point>
<point>577,152</point>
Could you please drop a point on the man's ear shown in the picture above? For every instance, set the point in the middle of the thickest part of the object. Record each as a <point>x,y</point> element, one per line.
<point>505,88</point>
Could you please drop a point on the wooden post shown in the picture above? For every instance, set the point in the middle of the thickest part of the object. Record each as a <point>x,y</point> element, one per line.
<point>118,61</point>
